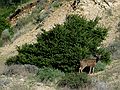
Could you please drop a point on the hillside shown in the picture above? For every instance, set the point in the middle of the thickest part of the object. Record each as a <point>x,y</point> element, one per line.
<point>110,17</point>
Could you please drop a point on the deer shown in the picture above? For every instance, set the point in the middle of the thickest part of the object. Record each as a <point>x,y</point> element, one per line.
<point>89,62</point>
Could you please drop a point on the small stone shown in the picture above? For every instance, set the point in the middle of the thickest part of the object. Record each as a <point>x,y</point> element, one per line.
<point>22,80</point>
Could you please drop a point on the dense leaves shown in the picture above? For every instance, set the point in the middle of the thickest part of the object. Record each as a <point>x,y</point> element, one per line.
<point>65,45</point>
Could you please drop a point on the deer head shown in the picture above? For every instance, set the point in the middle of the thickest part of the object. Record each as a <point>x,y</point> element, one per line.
<point>98,57</point>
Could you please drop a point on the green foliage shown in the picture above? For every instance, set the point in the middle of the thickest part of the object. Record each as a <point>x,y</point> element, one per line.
<point>56,4</point>
<point>11,60</point>
<point>7,10</point>
<point>4,24</point>
<point>11,2</point>
<point>100,66</point>
<point>65,45</point>
<point>1,43</point>
<point>74,80</point>
<point>105,55</point>
<point>5,36</point>
<point>49,75</point>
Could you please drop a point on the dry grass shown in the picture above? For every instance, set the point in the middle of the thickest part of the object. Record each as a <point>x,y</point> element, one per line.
<point>111,75</point>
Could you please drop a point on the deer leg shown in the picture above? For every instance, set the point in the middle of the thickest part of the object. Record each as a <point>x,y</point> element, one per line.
<point>93,69</point>
<point>80,69</point>
<point>90,70</point>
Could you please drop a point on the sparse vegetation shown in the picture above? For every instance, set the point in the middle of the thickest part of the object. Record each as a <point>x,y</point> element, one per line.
<point>56,4</point>
<point>5,30</point>
<point>5,37</point>
<point>6,8</point>
<point>35,17</point>
<point>114,49</point>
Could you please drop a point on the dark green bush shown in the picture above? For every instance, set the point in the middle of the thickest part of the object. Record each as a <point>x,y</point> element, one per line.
<point>4,24</point>
<point>49,75</point>
<point>105,55</point>
<point>100,66</point>
<point>65,45</point>
<point>11,60</point>
<point>74,80</point>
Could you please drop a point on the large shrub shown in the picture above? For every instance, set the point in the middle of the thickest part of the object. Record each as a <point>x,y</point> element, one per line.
<point>65,45</point>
